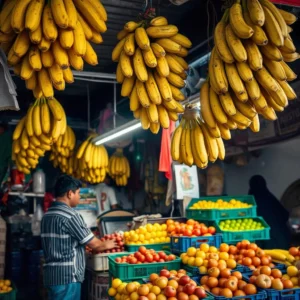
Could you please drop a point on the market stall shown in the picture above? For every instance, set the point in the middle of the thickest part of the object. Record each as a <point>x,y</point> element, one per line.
<point>172,114</point>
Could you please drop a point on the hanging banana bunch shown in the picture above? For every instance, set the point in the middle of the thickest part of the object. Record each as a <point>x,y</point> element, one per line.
<point>43,40</point>
<point>62,150</point>
<point>44,124</point>
<point>248,71</point>
<point>192,142</point>
<point>119,168</point>
<point>89,162</point>
<point>152,70</point>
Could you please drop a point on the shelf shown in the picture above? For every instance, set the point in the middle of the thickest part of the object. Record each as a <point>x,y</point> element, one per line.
<point>38,195</point>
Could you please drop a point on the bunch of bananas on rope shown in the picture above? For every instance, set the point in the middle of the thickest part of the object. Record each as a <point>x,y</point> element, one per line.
<point>119,168</point>
<point>89,162</point>
<point>62,151</point>
<point>44,39</point>
<point>192,142</point>
<point>44,124</point>
<point>151,68</point>
<point>248,70</point>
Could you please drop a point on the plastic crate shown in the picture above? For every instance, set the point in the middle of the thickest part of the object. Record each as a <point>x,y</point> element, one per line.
<point>180,244</point>
<point>156,247</point>
<point>12,295</point>
<point>128,271</point>
<point>232,237</point>
<point>289,294</point>
<point>259,296</point>
<point>99,262</point>
<point>221,214</point>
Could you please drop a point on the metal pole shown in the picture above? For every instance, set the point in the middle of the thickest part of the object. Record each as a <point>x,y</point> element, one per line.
<point>200,45</point>
<point>115,104</point>
<point>88,107</point>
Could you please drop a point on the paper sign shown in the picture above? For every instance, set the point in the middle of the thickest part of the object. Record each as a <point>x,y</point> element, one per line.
<point>186,181</point>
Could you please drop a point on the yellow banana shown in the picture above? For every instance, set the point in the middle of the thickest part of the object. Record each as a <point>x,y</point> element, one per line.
<point>49,27</point>
<point>255,125</point>
<point>181,40</point>
<point>158,50</point>
<point>47,59</point>
<point>22,44</point>
<point>35,58</point>
<point>75,61</point>
<point>142,38</point>
<point>188,147</point>
<point>174,65</point>
<point>272,103</point>
<point>126,65</point>
<point>56,74</point>
<point>244,71</point>
<point>246,109</point>
<point>266,80</point>
<point>34,14</point>
<point>164,31</point>
<point>288,17</point>
<point>36,120</point>
<point>142,94</point>
<point>211,144</point>
<point>119,74</point>
<point>219,72</point>
<point>159,21</point>
<point>198,144</point>
<point>140,69</point>
<point>152,89</point>
<point>163,86</point>
<point>239,118</point>
<point>44,45</point>
<point>234,79</point>
<point>163,67</point>
<point>221,148</point>
<point>254,56</point>
<point>272,52</point>
<point>134,102</point>
<point>68,75</point>
<point>127,86</point>
<point>225,132</point>
<point>59,13</point>
<point>90,55</point>
<point>237,22</point>
<point>129,46</point>
<point>275,68</point>
<point>279,96</point>
<point>260,103</point>
<point>288,46</point>
<point>235,45</point>
<point>26,69</point>
<point>216,107</point>
<point>256,12</point>
<point>18,15</point>
<point>118,50</point>
<point>273,29</point>
<point>150,58</point>
<point>71,13</point>
<point>290,75</point>
<point>288,90</point>
<point>66,38</point>
<point>169,45</point>
<point>85,26</point>
<point>154,128</point>
<point>81,149</point>
<point>253,89</point>
<point>6,12</point>
<point>176,93</point>
<point>31,82</point>
<point>29,121</point>
<point>206,111</point>
<point>163,116</point>
<point>152,113</point>
<point>173,116</point>
<point>79,45</point>
<point>131,26</point>
<point>45,117</point>
<point>290,57</point>
<point>144,119</point>
<point>227,104</point>
<point>176,80</point>
<point>45,84</point>
<point>276,254</point>
<point>19,128</point>
<point>60,55</point>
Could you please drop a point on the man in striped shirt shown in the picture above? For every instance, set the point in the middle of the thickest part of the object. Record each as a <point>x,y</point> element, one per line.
<point>64,236</point>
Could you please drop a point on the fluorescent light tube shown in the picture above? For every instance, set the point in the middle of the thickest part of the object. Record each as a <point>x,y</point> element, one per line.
<point>117,132</point>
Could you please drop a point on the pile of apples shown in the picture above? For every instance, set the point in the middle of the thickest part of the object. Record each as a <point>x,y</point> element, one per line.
<point>227,284</point>
<point>267,278</point>
<point>145,256</point>
<point>115,236</point>
<point>250,255</point>
<point>220,204</point>
<point>207,256</point>
<point>191,228</point>
<point>167,285</point>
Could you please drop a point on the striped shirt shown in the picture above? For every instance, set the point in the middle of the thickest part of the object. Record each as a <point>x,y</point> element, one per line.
<point>64,235</point>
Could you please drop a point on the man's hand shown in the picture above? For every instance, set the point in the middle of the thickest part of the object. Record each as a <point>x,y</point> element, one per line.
<point>109,244</point>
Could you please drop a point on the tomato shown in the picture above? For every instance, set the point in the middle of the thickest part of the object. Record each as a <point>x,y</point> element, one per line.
<point>204,229</point>
<point>170,291</point>
<point>197,232</point>
<point>149,257</point>
<point>142,249</point>
<point>188,232</point>
<point>164,273</point>
<point>189,289</point>
<point>171,257</point>
<point>184,280</point>
<point>142,258</point>
<point>118,260</point>
<point>162,254</point>
<point>211,230</point>
<point>156,257</point>
<point>200,293</point>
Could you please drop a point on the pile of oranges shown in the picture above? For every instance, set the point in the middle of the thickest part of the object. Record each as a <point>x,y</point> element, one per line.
<point>190,228</point>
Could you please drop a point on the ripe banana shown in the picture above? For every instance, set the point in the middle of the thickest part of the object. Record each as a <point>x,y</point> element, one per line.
<point>207,114</point>
<point>164,31</point>
<point>216,107</point>
<point>254,55</point>
<point>140,69</point>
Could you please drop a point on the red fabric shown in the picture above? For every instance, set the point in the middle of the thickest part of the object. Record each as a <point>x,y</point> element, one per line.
<point>165,160</point>
<point>287,2</point>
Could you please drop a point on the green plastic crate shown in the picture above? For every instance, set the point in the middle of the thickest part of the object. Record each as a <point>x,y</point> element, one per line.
<point>133,272</point>
<point>156,247</point>
<point>221,214</point>
<point>232,237</point>
<point>12,295</point>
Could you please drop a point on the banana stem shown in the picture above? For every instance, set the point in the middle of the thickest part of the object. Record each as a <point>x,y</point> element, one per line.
<point>244,5</point>
<point>225,16</point>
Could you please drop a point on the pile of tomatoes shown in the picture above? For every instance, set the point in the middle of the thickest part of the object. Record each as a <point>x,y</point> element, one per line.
<point>190,228</point>
<point>145,256</point>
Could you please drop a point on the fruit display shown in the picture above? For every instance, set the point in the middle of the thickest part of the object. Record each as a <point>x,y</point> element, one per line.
<point>62,151</point>
<point>44,39</point>
<point>194,143</point>
<point>145,256</point>
<point>220,204</point>
<point>148,234</point>
<point>241,225</point>
<point>191,228</point>
<point>5,286</point>
<point>165,285</point>
<point>206,257</point>
<point>286,257</point>
<point>45,123</point>
<point>115,236</point>
<point>90,162</point>
<point>267,278</point>
<point>119,168</point>
<point>151,69</point>
<point>248,71</point>
<point>227,284</point>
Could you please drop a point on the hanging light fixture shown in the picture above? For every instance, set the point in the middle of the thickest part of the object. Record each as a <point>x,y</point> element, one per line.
<point>117,132</point>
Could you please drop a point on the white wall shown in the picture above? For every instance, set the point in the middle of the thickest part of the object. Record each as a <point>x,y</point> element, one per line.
<point>279,164</point>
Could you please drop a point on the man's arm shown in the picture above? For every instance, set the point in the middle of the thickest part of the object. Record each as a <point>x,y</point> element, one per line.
<point>97,245</point>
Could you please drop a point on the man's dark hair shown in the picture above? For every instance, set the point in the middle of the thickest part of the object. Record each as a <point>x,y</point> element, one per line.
<point>64,184</point>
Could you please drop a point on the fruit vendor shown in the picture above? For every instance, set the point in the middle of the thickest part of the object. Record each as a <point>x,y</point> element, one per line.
<point>64,237</point>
